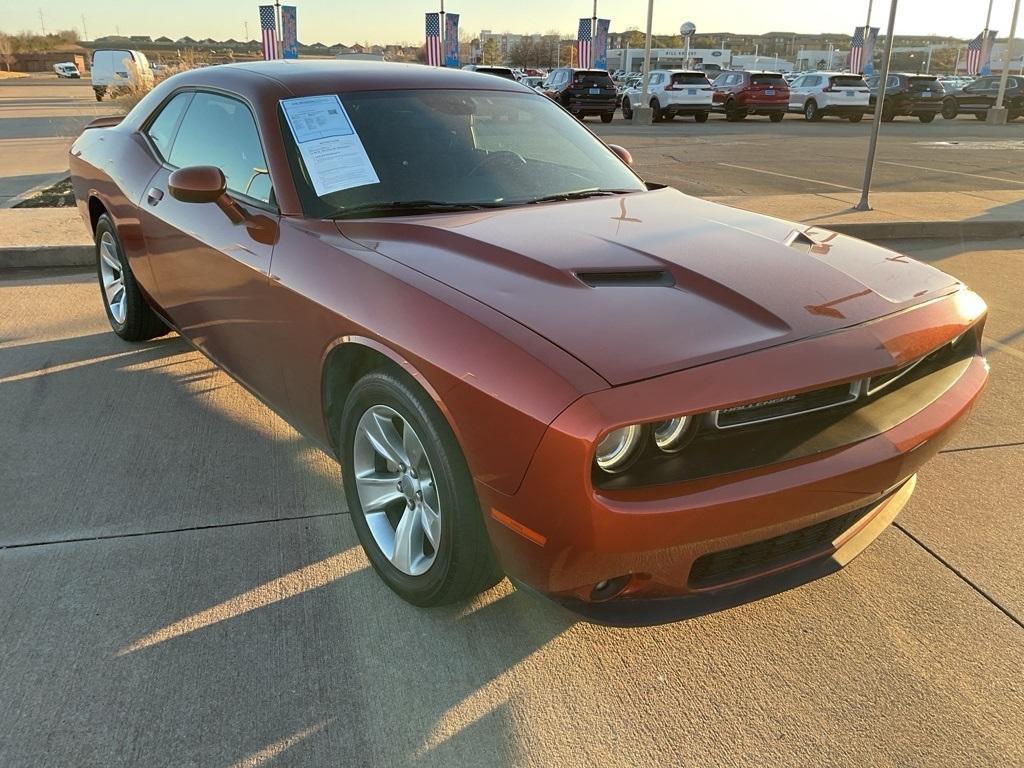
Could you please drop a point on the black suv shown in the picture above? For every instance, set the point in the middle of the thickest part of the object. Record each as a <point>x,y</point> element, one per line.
<point>980,96</point>
<point>583,91</point>
<point>917,95</point>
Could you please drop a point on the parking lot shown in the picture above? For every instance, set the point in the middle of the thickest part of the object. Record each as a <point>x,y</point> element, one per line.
<point>180,583</point>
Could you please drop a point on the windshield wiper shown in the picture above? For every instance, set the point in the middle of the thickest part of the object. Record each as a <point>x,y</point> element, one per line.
<point>410,207</point>
<point>580,194</point>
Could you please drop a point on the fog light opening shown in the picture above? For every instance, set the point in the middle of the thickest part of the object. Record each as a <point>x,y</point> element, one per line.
<point>609,588</point>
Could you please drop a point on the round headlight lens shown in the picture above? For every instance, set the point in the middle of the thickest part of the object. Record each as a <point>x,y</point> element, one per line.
<point>617,448</point>
<point>669,435</point>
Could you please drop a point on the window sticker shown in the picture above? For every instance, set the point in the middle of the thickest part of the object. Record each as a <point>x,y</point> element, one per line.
<point>329,145</point>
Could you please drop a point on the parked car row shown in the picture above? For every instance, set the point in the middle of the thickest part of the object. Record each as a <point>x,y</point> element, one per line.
<point>738,94</point>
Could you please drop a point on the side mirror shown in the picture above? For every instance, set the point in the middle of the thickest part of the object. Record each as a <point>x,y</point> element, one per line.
<point>204,184</point>
<point>623,154</point>
<point>197,184</point>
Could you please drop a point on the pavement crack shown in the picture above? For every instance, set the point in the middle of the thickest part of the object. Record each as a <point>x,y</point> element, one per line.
<point>137,534</point>
<point>960,574</point>
<point>982,447</point>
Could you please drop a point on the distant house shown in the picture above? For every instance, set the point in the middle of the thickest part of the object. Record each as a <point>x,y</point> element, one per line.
<point>141,39</point>
<point>185,41</point>
<point>164,40</point>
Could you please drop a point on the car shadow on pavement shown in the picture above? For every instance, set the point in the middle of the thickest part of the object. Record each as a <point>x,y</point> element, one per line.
<point>184,566</point>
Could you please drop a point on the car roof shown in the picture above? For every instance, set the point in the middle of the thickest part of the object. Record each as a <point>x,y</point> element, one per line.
<point>302,78</point>
<point>679,71</point>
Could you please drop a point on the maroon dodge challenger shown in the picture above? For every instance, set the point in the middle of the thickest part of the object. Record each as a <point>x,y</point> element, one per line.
<point>527,360</point>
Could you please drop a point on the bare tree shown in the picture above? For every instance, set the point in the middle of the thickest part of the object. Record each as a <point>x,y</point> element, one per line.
<point>6,50</point>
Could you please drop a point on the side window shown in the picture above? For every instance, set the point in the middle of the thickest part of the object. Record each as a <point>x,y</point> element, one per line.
<point>816,80</point>
<point>892,82</point>
<point>220,131</point>
<point>798,83</point>
<point>161,130</point>
<point>656,79</point>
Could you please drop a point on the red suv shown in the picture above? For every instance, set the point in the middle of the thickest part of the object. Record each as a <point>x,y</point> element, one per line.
<point>739,94</point>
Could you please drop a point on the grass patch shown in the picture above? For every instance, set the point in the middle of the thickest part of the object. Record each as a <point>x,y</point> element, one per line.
<point>60,195</point>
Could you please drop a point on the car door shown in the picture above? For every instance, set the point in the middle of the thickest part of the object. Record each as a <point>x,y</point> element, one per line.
<point>212,275</point>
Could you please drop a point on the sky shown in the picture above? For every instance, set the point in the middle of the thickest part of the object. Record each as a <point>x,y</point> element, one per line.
<point>384,21</point>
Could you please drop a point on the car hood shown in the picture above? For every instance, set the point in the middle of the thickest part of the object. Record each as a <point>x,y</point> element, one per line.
<point>639,285</point>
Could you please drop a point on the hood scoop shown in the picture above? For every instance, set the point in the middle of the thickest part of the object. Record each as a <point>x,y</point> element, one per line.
<point>638,278</point>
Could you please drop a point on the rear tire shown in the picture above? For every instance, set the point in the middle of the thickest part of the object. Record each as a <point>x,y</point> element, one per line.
<point>129,313</point>
<point>627,110</point>
<point>607,117</point>
<point>777,117</point>
<point>981,115</point>
<point>462,564</point>
<point>856,118</point>
<point>701,117</point>
<point>888,115</point>
<point>100,92</point>
<point>658,114</point>
<point>927,118</point>
<point>732,112</point>
<point>950,109</point>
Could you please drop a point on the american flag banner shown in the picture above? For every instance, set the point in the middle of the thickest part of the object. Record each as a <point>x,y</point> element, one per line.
<point>268,23</point>
<point>857,50</point>
<point>434,55</point>
<point>975,51</point>
<point>987,44</point>
<point>583,43</point>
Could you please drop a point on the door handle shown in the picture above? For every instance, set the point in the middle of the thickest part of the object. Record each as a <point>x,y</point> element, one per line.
<point>154,196</point>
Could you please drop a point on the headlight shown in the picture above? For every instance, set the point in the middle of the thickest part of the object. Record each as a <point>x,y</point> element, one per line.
<point>617,448</point>
<point>670,435</point>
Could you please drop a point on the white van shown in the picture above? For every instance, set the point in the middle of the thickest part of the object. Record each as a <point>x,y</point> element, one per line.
<point>67,69</point>
<point>115,69</point>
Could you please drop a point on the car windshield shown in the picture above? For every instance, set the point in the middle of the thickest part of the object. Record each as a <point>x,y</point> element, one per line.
<point>431,148</point>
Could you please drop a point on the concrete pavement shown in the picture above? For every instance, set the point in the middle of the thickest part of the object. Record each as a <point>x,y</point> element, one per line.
<point>40,116</point>
<point>181,586</point>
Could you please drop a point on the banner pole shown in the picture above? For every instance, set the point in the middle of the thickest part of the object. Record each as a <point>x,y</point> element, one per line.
<point>883,76</point>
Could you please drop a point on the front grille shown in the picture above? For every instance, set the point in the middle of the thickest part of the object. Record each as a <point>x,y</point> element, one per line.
<point>791,405</point>
<point>750,559</point>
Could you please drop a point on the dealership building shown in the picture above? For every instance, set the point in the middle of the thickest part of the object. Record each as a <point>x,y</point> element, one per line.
<point>632,59</point>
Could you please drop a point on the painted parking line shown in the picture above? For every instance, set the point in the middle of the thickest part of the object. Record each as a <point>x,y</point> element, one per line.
<point>957,173</point>
<point>788,176</point>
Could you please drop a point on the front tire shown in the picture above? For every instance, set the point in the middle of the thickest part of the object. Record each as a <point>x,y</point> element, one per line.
<point>926,118</point>
<point>607,117</point>
<point>950,109</point>
<point>811,112</point>
<point>627,110</point>
<point>856,117</point>
<point>701,117</point>
<point>733,113</point>
<point>410,493</point>
<point>129,313</point>
<point>658,114</point>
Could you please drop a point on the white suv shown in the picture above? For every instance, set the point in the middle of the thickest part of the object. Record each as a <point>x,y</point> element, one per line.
<point>672,92</point>
<point>817,94</point>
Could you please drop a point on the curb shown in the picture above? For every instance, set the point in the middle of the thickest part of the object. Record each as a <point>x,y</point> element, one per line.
<point>928,230</point>
<point>21,257</point>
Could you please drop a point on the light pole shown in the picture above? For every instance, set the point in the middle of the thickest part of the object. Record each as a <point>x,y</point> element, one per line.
<point>997,115</point>
<point>643,113</point>
<point>883,76</point>
<point>593,37</point>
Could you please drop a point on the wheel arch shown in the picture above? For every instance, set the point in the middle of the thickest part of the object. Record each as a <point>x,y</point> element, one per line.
<point>96,209</point>
<point>349,358</point>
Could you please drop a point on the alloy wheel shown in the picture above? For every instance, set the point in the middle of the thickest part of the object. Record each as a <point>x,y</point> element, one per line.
<point>396,489</point>
<point>112,276</point>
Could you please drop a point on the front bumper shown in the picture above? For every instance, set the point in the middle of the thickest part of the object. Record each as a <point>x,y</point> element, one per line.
<point>561,536</point>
